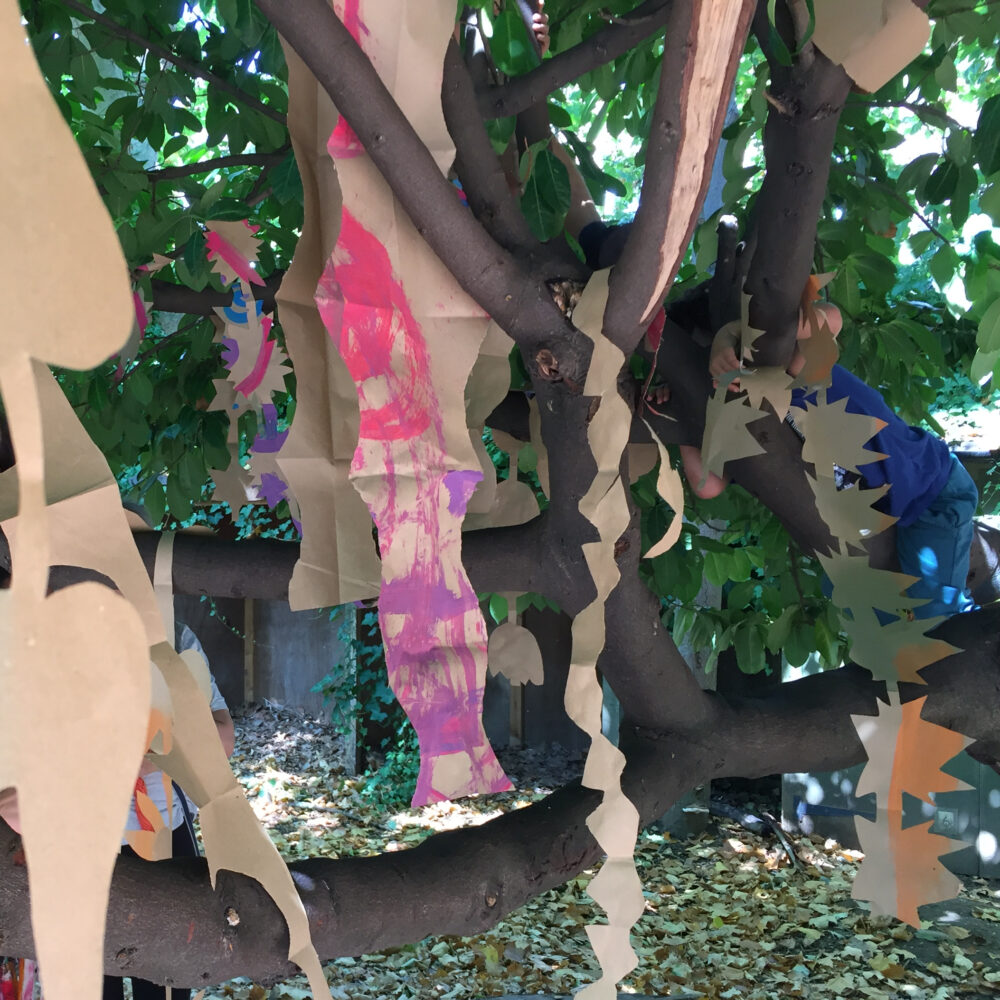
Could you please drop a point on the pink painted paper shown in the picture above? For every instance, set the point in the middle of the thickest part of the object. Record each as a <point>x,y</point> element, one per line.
<point>432,628</point>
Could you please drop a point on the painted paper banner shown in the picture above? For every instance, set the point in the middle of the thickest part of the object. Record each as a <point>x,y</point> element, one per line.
<point>338,561</point>
<point>410,337</point>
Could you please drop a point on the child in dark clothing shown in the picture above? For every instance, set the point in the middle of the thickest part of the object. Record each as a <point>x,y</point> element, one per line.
<point>930,493</point>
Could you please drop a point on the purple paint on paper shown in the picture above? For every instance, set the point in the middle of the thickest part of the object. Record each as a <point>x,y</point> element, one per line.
<point>435,638</point>
<point>273,489</point>
<point>271,440</point>
<point>230,351</point>
<point>461,485</point>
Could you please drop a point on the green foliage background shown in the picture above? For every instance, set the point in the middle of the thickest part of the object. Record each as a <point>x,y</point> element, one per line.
<point>180,113</point>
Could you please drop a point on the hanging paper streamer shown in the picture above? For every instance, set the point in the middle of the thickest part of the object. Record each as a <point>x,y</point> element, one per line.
<point>410,337</point>
<point>256,370</point>
<point>338,561</point>
<point>615,823</point>
<point>901,871</point>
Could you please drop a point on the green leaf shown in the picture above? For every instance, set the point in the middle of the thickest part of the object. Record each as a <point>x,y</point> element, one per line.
<point>984,366</point>
<point>749,646</point>
<point>941,184</point>
<point>684,618</point>
<point>512,50</point>
<point>780,628</point>
<point>988,334</point>
<point>499,608</point>
<point>942,265</point>
<point>140,387</point>
<point>986,141</point>
<point>546,196</point>
<point>919,242</point>
<point>178,500</point>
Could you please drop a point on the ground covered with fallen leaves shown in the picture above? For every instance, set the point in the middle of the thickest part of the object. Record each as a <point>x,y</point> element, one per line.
<point>727,915</point>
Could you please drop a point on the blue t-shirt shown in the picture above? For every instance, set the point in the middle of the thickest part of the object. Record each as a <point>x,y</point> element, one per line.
<point>917,464</point>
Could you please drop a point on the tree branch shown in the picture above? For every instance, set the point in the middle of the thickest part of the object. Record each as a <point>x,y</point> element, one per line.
<point>162,52</point>
<point>171,297</point>
<point>798,145</point>
<point>165,922</point>
<point>684,135</point>
<point>477,165</point>
<point>521,92</point>
<point>219,163</point>
<point>504,287</point>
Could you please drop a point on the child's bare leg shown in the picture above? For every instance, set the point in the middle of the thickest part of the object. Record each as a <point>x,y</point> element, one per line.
<point>694,471</point>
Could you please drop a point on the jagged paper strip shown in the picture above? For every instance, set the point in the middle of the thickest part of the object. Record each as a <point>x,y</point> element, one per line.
<point>901,870</point>
<point>74,669</point>
<point>338,561</point>
<point>615,823</point>
<point>410,338</point>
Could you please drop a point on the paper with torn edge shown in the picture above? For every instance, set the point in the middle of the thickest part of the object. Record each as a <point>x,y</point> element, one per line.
<point>338,561</point>
<point>410,337</point>
<point>81,491</point>
<point>671,489</point>
<point>514,502</point>
<point>234,839</point>
<point>75,666</point>
<point>615,823</point>
<point>872,39</point>
<point>513,651</point>
<point>901,870</point>
<point>488,384</point>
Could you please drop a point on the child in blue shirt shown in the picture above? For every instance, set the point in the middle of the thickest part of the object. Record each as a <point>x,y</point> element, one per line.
<point>930,493</point>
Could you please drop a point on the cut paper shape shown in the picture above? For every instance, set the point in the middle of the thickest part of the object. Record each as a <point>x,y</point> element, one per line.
<point>833,436</point>
<point>513,650</point>
<point>487,387</point>
<point>80,490</point>
<point>671,489</point>
<point>410,336</point>
<point>873,41</point>
<point>849,513</point>
<point>901,870</point>
<point>232,249</point>
<point>615,823</point>
<point>432,627</point>
<point>747,335</point>
<point>514,501</point>
<point>771,383</point>
<point>535,432</point>
<point>75,667</point>
<point>154,842</point>
<point>727,436</point>
<point>338,561</point>
<point>859,587</point>
<point>198,764</point>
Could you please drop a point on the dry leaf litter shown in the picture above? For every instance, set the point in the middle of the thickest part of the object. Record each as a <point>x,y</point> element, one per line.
<point>726,915</point>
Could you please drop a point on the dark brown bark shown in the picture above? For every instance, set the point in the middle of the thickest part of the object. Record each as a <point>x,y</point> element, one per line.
<point>170,297</point>
<point>806,100</point>
<point>503,285</point>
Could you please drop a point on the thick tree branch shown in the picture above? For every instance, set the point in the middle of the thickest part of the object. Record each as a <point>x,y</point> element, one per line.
<point>798,143</point>
<point>171,297</point>
<point>501,284</point>
<point>162,52</point>
<point>520,93</point>
<point>165,922</point>
<point>219,163</point>
<point>477,165</point>
<point>684,135</point>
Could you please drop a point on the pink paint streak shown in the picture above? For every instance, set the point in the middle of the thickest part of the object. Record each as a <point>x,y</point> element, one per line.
<point>344,142</point>
<point>264,353</point>
<point>434,635</point>
<point>224,250</point>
